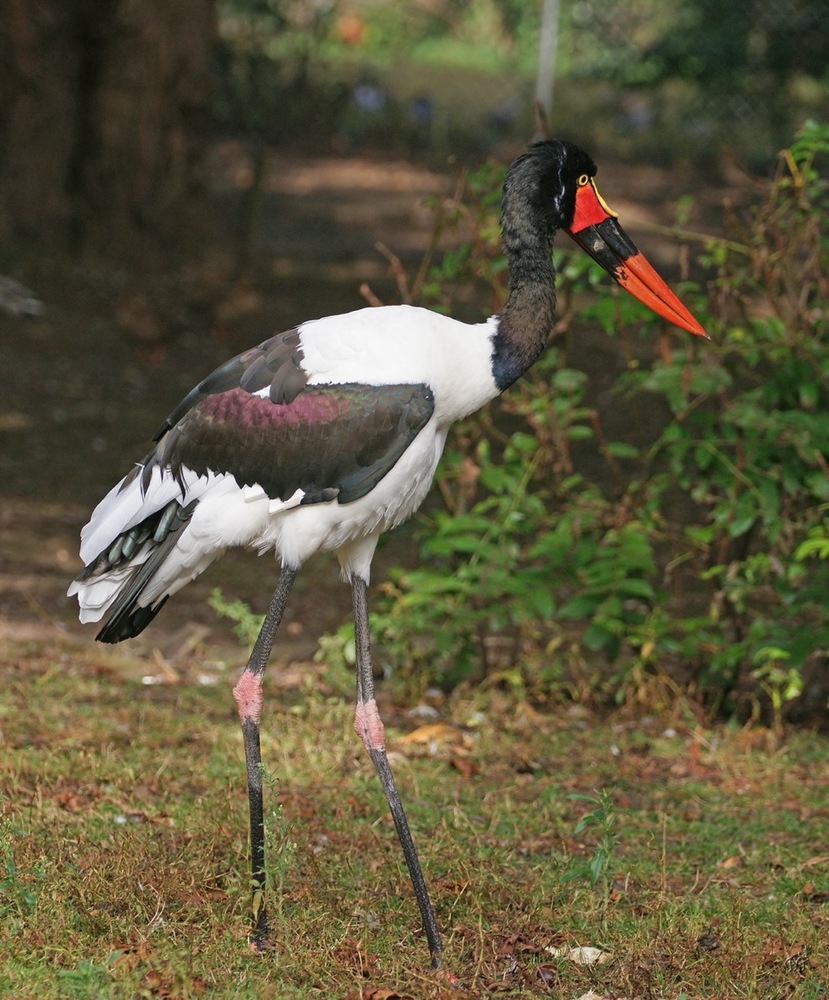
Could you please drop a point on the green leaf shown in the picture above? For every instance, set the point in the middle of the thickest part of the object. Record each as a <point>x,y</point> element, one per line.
<point>597,637</point>
<point>637,588</point>
<point>542,601</point>
<point>620,449</point>
<point>581,606</point>
<point>741,524</point>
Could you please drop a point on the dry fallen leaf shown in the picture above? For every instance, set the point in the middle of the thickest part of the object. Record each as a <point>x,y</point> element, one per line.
<point>464,764</point>
<point>815,895</point>
<point>433,732</point>
<point>351,955</point>
<point>515,943</point>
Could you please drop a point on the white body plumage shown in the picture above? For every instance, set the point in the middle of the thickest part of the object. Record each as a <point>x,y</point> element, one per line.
<point>377,347</point>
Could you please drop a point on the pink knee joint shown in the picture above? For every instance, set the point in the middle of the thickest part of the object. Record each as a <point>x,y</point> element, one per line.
<point>369,726</point>
<point>248,696</point>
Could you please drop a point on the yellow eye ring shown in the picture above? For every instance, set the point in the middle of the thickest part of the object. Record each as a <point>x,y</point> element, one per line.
<point>583,179</point>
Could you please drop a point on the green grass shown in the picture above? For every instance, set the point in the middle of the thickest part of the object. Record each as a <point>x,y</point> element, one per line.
<point>123,853</point>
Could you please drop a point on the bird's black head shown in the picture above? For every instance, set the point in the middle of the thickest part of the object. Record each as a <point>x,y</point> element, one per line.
<point>551,186</point>
<point>545,179</point>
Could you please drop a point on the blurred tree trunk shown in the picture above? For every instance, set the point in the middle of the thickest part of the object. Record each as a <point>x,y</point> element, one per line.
<point>103,116</point>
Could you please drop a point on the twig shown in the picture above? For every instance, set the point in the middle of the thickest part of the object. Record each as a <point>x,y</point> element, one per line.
<point>399,272</point>
<point>369,296</point>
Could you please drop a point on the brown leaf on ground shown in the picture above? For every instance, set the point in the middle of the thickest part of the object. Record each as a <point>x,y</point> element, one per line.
<point>69,801</point>
<point>776,948</point>
<point>130,956</point>
<point>813,895</point>
<point>795,957</point>
<point>616,892</point>
<point>160,983</point>
<point>432,732</point>
<point>468,768</point>
<point>349,954</point>
<point>76,797</point>
<point>520,943</point>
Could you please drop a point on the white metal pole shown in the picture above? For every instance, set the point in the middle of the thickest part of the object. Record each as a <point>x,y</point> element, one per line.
<point>547,43</point>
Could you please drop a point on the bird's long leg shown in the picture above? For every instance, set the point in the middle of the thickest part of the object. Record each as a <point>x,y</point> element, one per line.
<point>248,696</point>
<point>369,728</point>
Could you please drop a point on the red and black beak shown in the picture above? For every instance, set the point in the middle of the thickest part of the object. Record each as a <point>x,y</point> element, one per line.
<point>596,230</point>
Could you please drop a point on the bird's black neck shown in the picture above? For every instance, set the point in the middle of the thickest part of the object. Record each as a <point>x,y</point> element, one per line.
<point>527,317</point>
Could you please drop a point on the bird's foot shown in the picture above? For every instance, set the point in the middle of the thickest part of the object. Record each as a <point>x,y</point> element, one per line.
<point>260,941</point>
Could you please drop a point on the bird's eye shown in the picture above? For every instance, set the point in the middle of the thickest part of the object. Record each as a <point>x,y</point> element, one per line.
<point>583,179</point>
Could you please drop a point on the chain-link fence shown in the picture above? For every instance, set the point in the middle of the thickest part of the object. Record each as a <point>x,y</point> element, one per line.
<point>452,75</point>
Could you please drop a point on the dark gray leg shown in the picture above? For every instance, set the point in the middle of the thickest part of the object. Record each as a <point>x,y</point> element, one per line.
<point>369,728</point>
<point>248,695</point>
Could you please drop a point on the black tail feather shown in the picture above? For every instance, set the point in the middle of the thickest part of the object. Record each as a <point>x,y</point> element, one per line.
<point>128,622</point>
<point>127,618</point>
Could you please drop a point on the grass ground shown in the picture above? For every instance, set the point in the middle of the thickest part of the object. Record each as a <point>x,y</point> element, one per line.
<point>695,858</point>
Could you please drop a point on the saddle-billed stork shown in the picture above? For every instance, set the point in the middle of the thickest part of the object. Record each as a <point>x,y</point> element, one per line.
<point>323,437</point>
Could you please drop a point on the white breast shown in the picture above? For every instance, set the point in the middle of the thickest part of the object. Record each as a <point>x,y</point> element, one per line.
<point>394,345</point>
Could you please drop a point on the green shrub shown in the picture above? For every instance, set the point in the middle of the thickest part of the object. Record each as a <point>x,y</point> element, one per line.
<point>684,554</point>
<point>749,436</point>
